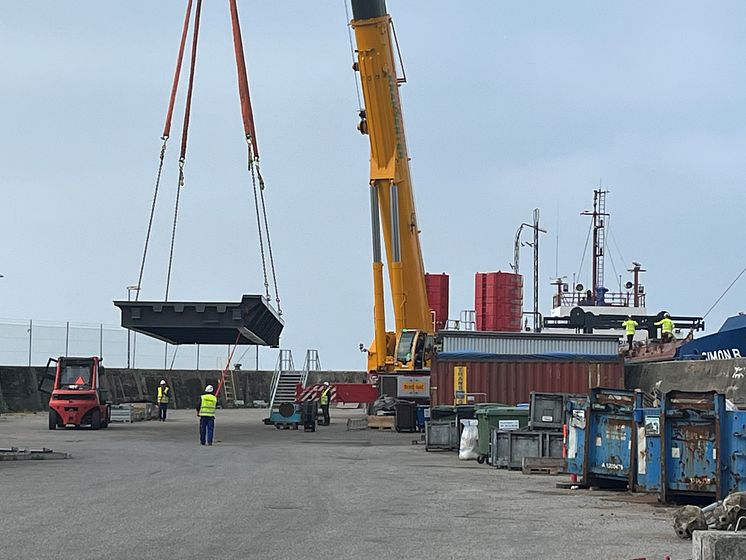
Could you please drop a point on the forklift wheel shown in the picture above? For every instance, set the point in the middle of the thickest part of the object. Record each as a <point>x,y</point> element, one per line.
<point>278,426</point>
<point>95,419</point>
<point>53,420</point>
<point>481,459</point>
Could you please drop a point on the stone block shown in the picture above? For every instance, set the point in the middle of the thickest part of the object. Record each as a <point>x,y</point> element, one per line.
<point>718,545</point>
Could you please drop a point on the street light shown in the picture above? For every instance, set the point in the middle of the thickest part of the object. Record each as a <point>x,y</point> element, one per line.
<point>130,289</point>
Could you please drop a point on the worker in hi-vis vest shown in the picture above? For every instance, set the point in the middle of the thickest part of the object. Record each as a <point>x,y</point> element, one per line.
<point>208,402</point>
<point>164,392</point>
<point>324,402</point>
<point>629,328</point>
<point>667,326</point>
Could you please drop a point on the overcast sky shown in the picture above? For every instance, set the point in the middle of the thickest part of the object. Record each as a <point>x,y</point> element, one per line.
<point>509,106</point>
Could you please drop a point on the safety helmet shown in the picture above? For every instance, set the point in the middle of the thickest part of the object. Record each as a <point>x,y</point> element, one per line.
<point>163,381</point>
<point>667,315</point>
<point>208,389</point>
<point>326,383</point>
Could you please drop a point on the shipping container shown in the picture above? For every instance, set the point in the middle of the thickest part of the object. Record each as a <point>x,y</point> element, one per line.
<point>527,343</point>
<point>692,428</point>
<point>437,298</point>
<point>510,379</point>
<point>498,301</point>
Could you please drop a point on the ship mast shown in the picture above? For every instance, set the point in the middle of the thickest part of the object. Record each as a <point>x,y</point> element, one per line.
<point>599,240</point>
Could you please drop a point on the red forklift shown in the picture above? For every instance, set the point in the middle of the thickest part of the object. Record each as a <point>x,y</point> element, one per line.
<point>75,396</point>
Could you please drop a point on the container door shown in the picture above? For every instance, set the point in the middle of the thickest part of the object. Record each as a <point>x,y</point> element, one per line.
<point>610,446</point>
<point>691,465</point>
<point>648,475</point>
<point>735,434</point>
<point>576,426</point>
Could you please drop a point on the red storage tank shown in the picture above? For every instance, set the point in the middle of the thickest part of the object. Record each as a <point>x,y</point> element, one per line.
<point>437,297</point>
<point>498,301</point>
<point>511,380</point>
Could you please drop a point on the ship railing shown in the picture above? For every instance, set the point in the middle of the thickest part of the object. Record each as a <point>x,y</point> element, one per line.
<point>611,299</point>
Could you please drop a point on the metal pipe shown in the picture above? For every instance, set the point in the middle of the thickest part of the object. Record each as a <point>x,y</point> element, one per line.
<point>368,9</point>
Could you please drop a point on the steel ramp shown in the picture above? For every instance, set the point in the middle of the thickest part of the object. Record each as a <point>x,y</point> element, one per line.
<point>250,321</point>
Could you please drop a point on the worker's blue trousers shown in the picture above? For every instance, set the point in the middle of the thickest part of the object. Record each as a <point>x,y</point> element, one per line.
<point>206,425</point>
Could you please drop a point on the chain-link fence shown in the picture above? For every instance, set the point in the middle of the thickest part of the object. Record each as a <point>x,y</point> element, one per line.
<point>32,343</point>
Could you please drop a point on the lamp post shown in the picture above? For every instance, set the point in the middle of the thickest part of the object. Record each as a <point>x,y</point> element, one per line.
<point>130,289</point>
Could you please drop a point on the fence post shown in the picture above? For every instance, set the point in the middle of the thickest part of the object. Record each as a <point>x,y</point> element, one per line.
<point>67,338</point>
<point>101,340</point>
<point>197,357</point>
<point>30,334</point>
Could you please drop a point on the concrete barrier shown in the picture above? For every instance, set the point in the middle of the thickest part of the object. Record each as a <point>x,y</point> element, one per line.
<point>718,545</point>
<point>19,393</point>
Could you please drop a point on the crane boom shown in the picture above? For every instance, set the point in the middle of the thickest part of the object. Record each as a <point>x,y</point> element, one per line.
<point>391,195</point>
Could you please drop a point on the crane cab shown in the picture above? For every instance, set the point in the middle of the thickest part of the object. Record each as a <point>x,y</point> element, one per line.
<point>414,350</point>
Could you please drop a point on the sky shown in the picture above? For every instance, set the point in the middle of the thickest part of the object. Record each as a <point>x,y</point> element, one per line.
<point>509,106</point>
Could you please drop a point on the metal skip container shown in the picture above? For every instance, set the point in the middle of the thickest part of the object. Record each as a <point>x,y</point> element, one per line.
<point>692,427</point>
<point>503,418</point>
<point>609,457</point>
<point>441,434</point>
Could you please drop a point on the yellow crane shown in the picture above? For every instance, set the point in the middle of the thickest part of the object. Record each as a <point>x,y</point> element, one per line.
<point>392,201</point>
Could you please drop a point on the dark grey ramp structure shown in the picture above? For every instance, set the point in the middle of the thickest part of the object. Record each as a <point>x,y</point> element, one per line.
<point>252,321</point>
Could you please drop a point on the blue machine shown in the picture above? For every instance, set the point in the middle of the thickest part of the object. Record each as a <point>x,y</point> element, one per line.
<point>287,416</point>
<point>609,454</point>
<point>694,433</point>
<point>648,450</point>
<point>575,419</point>
<point>735,456</point>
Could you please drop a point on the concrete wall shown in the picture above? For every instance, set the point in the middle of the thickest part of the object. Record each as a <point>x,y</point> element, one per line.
<point>18,385</point>
<point>725,376</point>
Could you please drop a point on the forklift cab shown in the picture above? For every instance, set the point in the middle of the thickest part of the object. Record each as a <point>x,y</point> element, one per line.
<point>75,394</point>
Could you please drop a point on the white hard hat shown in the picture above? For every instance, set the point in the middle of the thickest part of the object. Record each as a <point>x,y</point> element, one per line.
<point>326,383</point>
<point>163,381</point>
<point>208,389</point>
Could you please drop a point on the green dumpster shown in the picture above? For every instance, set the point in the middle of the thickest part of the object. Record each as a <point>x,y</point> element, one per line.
<point>502,418</point>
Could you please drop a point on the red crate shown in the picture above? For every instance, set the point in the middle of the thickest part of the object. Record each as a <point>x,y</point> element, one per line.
<point>437,297</point>
<point>498,301</point>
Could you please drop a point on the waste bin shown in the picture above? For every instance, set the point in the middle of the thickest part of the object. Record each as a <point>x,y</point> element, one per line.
<point>423,415</point>
<point>405,419</point>
<point>309,410</point>
<point>547,410</point>
<point>441,434</point>
<point>503,418</point>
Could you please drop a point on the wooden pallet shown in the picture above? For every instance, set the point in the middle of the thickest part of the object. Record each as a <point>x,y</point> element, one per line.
<point>542,465</point>
<point>381,422</point>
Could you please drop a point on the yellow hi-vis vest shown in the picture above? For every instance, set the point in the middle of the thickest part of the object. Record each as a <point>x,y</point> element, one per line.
<point>163,394</point>
<point>666,325</point>
<point>325,396</point>
<point>208,404</point>
<point>630,325</point>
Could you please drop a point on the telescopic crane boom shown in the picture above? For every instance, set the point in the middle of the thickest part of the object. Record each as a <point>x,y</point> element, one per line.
<point>391,199</point>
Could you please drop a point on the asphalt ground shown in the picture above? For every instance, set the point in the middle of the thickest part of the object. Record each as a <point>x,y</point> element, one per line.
<point>149,490</point>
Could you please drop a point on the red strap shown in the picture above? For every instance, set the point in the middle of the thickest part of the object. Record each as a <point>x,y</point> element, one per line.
<point>177,73</point>
<point>195,37</point>
<point>243,80</point>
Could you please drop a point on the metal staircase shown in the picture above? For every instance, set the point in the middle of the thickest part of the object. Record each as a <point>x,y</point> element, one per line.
<point>284,380</point>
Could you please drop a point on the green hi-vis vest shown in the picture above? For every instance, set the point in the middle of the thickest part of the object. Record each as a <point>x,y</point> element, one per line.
<point>208,404</point>
<point>163,395</point>
<point>325,396</point>
<point>630,325</point>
